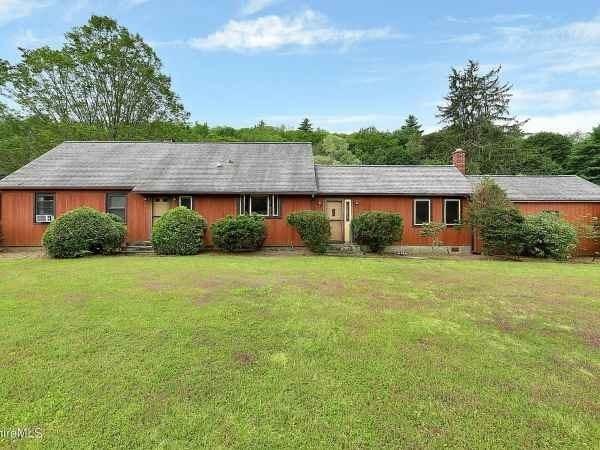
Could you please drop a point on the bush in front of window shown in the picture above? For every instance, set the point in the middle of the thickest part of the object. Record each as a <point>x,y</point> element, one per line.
<point>84,231</point>
<point>180,231</point>
<point>239,233</point>
<point>547,235</point>
<point>377,229</point>
<point>313,228</point>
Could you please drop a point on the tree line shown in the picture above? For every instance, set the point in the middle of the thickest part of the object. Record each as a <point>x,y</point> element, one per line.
<point>106,83</point>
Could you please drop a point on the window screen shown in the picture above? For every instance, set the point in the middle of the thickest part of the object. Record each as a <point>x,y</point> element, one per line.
<point>44,204</point>
<point>186,201</point>
<point>116,203</point>
<point>452,212</point>
<point>422,213</point>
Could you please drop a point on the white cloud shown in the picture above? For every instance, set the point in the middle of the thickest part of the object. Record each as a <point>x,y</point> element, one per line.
<point>471,38</point>
<point>272,32</point>
<point>254,6</point>
<point>15,9</point>
<point>565,123</point>
<point>545,99</point>
<point>498,18</point>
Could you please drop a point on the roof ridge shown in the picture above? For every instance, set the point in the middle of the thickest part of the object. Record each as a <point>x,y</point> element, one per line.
<point>528,176</point>
<point>384,165</point>
<point>186,142</point>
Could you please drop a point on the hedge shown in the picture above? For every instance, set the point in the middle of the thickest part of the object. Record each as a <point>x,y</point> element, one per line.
<point>547,235</point>
<point>239,233</point>
<point>377,229</point>
<point>180,231</point>
<point>84,231</point>
<point>501,230</point>
<point>313,228</point>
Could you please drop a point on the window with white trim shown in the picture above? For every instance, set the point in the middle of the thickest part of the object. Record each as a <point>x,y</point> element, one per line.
<point>422,211</point>
<point>452,211</point>
<point>45,207</point>
<point>260,204</point>
<point>186,201</point>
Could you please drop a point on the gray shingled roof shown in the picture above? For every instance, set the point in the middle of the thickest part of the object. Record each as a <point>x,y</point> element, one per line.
<point>153,167</point>
<point>544,188</point>
<point>395,180</point>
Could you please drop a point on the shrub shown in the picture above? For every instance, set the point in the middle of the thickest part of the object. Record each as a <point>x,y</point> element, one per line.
<point>547,235</point>
<point>239,233</point>
<point>313,228</point>
<point>501,231</point>
<point>377,229</point>
<point>180,231</point>
<point>433,231</point>
<point>84,231</point>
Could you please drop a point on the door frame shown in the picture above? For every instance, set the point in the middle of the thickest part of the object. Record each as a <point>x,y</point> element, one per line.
<point>347,212</point>
<point>152,198</point>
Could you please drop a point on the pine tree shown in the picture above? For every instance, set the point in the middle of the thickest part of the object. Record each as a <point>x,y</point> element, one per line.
<point>412,125</point>
<point>475,100</point>
<point>305,126</point>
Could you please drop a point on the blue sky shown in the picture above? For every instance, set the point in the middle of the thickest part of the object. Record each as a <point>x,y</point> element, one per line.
<point>346,64</point>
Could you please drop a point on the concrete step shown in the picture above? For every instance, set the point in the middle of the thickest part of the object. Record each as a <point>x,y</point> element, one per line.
<point>344,250</point>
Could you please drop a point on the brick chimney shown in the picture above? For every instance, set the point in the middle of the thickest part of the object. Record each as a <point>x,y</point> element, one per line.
<point>459,160</point>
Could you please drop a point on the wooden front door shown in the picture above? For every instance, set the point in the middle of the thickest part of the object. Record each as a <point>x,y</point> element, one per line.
<point>335,212</point>
<point>160,205</point>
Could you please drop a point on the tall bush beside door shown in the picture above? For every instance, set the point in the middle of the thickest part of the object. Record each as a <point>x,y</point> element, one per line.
<point>180,231</point>
<point>313,228</point>
<point>377,229</point>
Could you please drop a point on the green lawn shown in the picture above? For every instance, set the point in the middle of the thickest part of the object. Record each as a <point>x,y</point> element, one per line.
<point>312,352</point>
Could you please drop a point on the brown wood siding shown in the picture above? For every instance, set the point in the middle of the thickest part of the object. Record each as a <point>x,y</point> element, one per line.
<point>213,208</point>
<point>19,229</point>
<point>574,212</point>
<point>404,206</point>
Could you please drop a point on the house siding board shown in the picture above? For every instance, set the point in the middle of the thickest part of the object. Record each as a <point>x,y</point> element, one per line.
<point>574,212</point>
<point>452,236</point>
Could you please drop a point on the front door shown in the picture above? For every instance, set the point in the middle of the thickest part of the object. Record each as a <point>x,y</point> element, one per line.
<point>160,205</point>
<point>335,213</point>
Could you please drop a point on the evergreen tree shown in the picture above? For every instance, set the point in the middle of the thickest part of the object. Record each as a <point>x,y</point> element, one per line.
<point>585,159</point>
<point>305,126</point>
<point>412,125</point>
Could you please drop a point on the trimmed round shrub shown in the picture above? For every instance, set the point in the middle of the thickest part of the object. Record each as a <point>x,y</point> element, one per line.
<point>84,231</point>
<point>547,235</point>
<point>313,228</point>
<point>180,231</point>
<point>377,229</point>
<point>239,233</point>
<point>501,230</point>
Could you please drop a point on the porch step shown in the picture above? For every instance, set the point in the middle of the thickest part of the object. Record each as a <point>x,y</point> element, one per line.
<point>140,248</point>
<point>344,250</point>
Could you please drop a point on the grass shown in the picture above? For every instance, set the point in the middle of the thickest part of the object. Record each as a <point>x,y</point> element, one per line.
<point>273,352</point>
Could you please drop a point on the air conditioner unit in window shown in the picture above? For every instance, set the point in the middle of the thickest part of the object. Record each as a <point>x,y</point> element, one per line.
<point>44,219</point>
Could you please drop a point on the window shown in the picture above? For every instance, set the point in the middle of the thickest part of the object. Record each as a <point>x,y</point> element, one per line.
<point>452,211</point>
<point>263,205</point>
<point>186,201</point>
<point>422,211</point>
<point>44,207</point>
<point>116,203</point>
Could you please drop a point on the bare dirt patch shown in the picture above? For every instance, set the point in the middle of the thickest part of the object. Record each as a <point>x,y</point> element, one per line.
<point>591,338</point>
<point>244,358</point>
